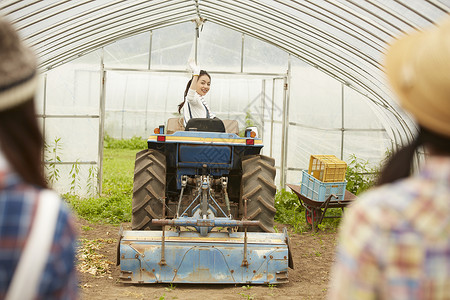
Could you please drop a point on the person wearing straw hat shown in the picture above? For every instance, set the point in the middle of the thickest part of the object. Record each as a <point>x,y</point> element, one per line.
<point>394,242</point>
<point>37,235</point>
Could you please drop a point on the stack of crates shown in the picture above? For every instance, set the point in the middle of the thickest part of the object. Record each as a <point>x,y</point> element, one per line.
<point>327,168</point>
<point>325,176</point>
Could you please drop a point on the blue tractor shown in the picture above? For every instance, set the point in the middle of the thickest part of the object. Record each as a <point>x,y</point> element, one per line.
<point>203,209</point>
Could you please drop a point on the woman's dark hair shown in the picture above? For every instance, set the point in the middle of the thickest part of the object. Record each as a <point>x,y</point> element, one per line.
<point>202,72</point>
<point>22,143</point>
<point>399,165</point>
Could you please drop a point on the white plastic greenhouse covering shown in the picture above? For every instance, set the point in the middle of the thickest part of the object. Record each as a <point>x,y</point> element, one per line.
<point>308,73</point>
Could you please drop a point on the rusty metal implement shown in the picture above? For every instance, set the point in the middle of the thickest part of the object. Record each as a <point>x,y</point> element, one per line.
<point>191,258</point>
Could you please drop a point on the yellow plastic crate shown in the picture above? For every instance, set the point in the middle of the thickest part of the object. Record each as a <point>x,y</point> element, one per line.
<point>327,168</point>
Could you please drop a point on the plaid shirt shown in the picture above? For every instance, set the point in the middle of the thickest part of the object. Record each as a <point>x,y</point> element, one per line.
<point>394,242</point>
<point>17,209</point>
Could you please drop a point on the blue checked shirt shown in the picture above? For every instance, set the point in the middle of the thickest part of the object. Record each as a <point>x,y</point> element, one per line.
<point>17,208</point>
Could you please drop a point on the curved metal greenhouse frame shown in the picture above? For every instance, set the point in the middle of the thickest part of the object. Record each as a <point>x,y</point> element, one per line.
<point>345,39</point>
<point>342,38</point>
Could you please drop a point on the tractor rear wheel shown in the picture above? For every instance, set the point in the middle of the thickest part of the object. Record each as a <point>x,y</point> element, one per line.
<point>149,189</point>
<point>257,186</point>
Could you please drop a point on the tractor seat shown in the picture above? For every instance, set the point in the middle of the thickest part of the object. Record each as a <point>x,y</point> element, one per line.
<point>176,124</point>
<point>205,124</point>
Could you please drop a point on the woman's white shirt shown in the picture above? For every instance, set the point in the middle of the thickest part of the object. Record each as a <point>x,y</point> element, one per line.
<point>195,107</point>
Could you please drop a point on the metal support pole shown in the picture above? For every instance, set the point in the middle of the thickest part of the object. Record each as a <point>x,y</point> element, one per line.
<point>283,137</point>
<point>162,262</point>
<point>44,113</point>
<point>224,181</point>
<point>342,122</point>
<point>183,186</point>
<point>101,123</point>
<point>263,106</point>
<point>285,132</point>
<point>204,198</point>
<point>271,117</point>
<point>242,53</point>
<point>150,50</point>
<point>123,107</point>
<point>196,44</point>
<point>245,261</point>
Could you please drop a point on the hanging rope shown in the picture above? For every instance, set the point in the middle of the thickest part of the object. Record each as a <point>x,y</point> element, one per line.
<point>199,21</point>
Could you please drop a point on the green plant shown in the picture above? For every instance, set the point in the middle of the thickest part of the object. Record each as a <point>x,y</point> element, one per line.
<point>249,122</point>
<point>91,181</point>
<point>289,210</point>
<point>271,288</point>
<point>73,174</point>
<point>248,297</point>
<point>360,176</point>
<point>249,119</point>
<point>86,228</point>
<point>135,143</point>
<point>114,204</point>
<point>276,229</point>
<point>53,150</point>
<point>331,224</point>
<point>171,287</point>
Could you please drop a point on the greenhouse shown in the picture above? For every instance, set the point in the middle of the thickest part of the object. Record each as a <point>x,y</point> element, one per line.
<point>229,149</point>
<point>307,74</point>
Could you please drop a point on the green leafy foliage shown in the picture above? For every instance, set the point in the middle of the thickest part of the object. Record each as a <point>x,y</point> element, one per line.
<point>74,178</point>
<point>135,143</point>
<point>53,151</point>
<point>247,296</point>
<point>360,176</point>
<point>249,122</point>
<point>114,204</point>
<point>91,181</point>
<point>331,224</point>
<point>290,211</point>
<point>288,206</point>
<point>272,289</point>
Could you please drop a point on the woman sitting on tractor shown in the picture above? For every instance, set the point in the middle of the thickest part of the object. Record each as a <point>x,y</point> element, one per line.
<point>196,89</point>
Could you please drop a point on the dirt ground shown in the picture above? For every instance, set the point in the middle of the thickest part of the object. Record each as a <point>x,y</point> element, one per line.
<point>312,253</point>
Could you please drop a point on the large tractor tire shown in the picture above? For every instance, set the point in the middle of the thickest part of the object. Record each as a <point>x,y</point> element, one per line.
<point>257,186</point>
<point>149,189</point>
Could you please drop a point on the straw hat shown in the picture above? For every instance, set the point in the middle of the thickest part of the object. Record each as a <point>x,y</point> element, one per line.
<point>418,69</point>
<point>18,80</point>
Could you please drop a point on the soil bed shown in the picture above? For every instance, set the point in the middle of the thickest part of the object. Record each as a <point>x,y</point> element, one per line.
<point>312,253</point>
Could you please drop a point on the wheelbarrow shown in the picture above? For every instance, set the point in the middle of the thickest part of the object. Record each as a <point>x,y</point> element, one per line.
<point>315,211</point>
